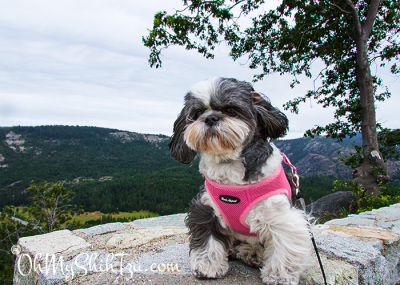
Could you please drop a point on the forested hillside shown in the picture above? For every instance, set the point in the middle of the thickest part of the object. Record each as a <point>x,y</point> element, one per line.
<point>111,170</point>
<point>106,168</point>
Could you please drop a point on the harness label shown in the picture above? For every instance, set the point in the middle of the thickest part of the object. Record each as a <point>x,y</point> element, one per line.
<point>229,199</point>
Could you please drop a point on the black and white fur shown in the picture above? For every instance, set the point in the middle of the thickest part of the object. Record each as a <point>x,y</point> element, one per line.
<point>231,125</point>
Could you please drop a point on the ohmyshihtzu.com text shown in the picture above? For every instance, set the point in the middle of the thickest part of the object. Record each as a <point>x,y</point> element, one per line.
<point>85,263</point>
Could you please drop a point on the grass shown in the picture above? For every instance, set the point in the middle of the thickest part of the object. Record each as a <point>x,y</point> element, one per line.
<point>87,216</point>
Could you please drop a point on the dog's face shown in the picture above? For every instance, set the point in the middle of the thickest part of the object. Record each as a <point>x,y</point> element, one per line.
<point>222,115</point>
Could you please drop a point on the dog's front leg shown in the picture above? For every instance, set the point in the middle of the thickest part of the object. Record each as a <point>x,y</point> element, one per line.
<point>209,261</point>
<point>209,243</point>
<point>285,235</point>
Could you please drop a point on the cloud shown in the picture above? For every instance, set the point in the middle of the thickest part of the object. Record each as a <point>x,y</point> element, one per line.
<point>83,63</point>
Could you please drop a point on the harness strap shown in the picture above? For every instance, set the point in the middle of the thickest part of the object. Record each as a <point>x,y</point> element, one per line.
<point>293,170</point>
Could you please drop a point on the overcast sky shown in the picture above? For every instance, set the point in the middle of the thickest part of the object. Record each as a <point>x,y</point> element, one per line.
<point>83,63</point>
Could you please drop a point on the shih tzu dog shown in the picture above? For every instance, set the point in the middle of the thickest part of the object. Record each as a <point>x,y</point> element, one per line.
<point>244,210</point>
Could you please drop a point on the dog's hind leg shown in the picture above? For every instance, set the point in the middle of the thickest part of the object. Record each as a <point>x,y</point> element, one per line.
<point>285,235</point>
<point>252,255</point>
<point>209,243</point>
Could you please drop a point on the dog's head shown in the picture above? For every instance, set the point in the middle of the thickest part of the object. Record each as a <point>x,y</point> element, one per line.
<point>223,114</point>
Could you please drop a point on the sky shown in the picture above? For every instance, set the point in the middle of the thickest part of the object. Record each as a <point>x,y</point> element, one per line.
<point>83,63</point>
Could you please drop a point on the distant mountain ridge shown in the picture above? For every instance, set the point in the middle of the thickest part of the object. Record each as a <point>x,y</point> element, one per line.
<point>113,162</point>
<point>319,156</point>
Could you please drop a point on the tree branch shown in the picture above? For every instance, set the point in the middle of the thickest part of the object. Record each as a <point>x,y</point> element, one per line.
<point>319,74</point>
<point>313,28</point>
<point>369,22</point>
<point>344,11</point>
<point>234,5</point>
<point>356,19</point>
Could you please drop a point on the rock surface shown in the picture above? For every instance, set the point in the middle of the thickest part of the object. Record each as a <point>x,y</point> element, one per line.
<point>359,249</point>
<point>102,229</point>
<point>142,236</point>
<point>60,242</point>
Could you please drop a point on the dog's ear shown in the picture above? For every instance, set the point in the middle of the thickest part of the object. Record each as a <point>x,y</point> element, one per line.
<point>179,149</point>
<point>271,122</point>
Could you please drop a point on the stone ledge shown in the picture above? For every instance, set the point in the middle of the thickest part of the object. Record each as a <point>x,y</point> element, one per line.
<point>142,236</point>
<point>176,220</point>
<point>101,229</point>
<point>359,249</point>
<point>56,243</point>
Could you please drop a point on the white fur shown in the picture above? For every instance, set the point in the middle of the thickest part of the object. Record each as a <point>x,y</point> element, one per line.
<point>272,164</point>
<point>286,238</point>
<point>211,261</point>
<point>233,173</point>
<point>203,89</point>
<point>224,173</point>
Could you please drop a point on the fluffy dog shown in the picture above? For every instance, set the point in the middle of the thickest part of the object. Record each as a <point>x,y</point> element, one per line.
<point>232,125</point>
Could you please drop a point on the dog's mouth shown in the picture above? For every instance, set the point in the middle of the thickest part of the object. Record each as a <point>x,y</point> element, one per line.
<point>225,135</point>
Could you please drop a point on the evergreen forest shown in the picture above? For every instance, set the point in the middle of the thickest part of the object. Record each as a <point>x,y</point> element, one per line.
<point>114,171</point>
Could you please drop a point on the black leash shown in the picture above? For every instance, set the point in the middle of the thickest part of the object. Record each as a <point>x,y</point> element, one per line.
<point>319,258</point>
<point>301,204</point>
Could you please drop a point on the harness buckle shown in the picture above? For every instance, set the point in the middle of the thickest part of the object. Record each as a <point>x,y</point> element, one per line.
<point>295,177</point>
<point>296,184</point>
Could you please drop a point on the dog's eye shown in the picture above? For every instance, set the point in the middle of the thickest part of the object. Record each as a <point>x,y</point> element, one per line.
<point>197,114</point>
<point>231,112</point>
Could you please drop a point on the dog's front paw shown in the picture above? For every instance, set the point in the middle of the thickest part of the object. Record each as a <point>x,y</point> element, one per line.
<point>207,269</point>
<point>207,263</point>
<point>201,276</point>
<point>211,272</point>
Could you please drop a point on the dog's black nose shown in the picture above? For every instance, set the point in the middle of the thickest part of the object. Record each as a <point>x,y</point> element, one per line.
<point>211,120</point>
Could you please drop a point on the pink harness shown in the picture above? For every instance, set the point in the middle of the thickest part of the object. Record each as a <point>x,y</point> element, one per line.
<point>235,201</point>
